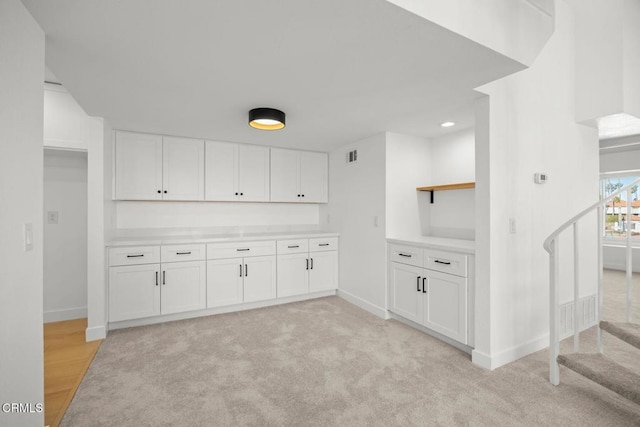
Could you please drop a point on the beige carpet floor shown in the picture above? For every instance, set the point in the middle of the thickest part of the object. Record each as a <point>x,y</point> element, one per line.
<point>326,362</point>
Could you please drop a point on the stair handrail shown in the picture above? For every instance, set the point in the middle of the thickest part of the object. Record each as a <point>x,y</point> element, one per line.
<point>601,202</point>
<point>551,246</point>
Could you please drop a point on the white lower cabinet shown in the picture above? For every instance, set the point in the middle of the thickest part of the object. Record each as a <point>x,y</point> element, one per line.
<point>134,292</point>
<point>434,299</point>
<point>148,281</point>
<point>183,287</point>
<point>307,265</point>
<point>233,279</point>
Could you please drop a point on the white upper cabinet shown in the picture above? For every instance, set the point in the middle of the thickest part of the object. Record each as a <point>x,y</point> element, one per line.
<point>299,176</point>
<point>236,172</point>
<point>152,167</point>
<point>183,169</point>
<point>253,173</point>
<point>138,171</point>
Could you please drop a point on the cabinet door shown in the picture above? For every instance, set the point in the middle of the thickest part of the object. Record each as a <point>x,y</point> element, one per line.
<point>405,291</point>
<point>183,287</point>
<point>134,292</point>
<point>285,177</point>
<point>259,278</point>
<point>313,177</point>
<point>221,171</point>
<point>224,282</point>
<point>293,274</point>
<point>323,271</point>
<point>138,166</point>
<point>183,169</point>
<point>446,305</point>
<point>253,173</point>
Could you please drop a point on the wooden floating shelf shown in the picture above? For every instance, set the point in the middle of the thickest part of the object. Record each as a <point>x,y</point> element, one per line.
<point>435,188</point>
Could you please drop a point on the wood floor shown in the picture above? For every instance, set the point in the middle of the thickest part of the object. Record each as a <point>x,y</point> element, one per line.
<point>66,359</point>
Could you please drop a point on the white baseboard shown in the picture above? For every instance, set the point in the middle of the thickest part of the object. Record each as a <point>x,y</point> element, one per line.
<point>66,314</point>
<point>509,355</point>
<point>217,310</point>
<point>363,304</point>
<point>95,333</point>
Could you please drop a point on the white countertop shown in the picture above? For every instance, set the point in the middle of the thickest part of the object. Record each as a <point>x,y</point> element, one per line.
<point>444,243</point>
<point>213,238</point>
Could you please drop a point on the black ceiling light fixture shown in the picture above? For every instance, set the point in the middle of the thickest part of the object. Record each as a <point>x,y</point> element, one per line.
<point>266,119</point>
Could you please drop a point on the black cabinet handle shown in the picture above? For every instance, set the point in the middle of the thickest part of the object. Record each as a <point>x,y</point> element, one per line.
<point>156,278</point>
<point>164,277</point>
<point>242,194</point>
<point>424,289</point>
<point>307,263</point>
<point>159,191</point>
<point>418,281</point>
<point>323,244</point>
<point>135,256</point>
<point>165,191</point>
<point>303,195</point>
<point>240,270</point>
<point>442,262</point>
<point>183,253</point>
<point>404,255</point>
<point>293,246</point>
<point>312,263</point>
<point>242,250</point>
<point>236,194</point>
<point>298,195</point>
<point>246,270</point>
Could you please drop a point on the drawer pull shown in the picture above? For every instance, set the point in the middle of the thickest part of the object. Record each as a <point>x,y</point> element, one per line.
<point>424,288</point>
<point>183,253</point>
<point>323,244</point>
<point>241,250</point>
<point>404,255</point>
<point>135,256</point>
<point>442,262</point>
<point>293,246</point>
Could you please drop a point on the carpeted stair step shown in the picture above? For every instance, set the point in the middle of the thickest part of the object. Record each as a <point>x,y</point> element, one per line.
<point>628,332</point>
<point>605,372</point>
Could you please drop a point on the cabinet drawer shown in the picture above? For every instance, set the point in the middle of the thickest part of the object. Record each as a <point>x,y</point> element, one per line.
<point>293,246</point>
<point>173,253</point>
<point>323,244</point>
<point>446,262</point>
<point>406,255</point>
<point>240,249</point>
<point>134,255</point>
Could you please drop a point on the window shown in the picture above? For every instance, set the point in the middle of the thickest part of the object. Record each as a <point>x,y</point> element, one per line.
<point>615,217</point>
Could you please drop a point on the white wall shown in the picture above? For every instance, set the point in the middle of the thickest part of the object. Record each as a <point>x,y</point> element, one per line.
<point>65,122</point>
<point>408,165</point>
<point>608,58</point>
<point>65,243</point>
<point>515,28</point>
<point>620,161</point>
<point>21,123</point>
<point>357,197</point>
<point>221,215</point>
<point>531,128</point>
<point>453,158</point>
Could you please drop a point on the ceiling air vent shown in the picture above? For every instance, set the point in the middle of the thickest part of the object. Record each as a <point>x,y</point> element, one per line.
<point>352,156</point>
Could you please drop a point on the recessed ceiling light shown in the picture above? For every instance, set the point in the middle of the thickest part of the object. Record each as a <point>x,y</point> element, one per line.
<point>266,119</point>
<point>447,124</point>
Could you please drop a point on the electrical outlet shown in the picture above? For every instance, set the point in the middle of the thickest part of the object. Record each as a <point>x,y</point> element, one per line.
<point>52,217</point>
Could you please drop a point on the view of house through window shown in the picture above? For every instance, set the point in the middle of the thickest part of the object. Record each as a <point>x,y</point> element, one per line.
<point>618,208</point>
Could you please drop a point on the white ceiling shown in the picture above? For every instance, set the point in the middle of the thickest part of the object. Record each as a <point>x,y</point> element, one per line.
<point>341,70</point>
